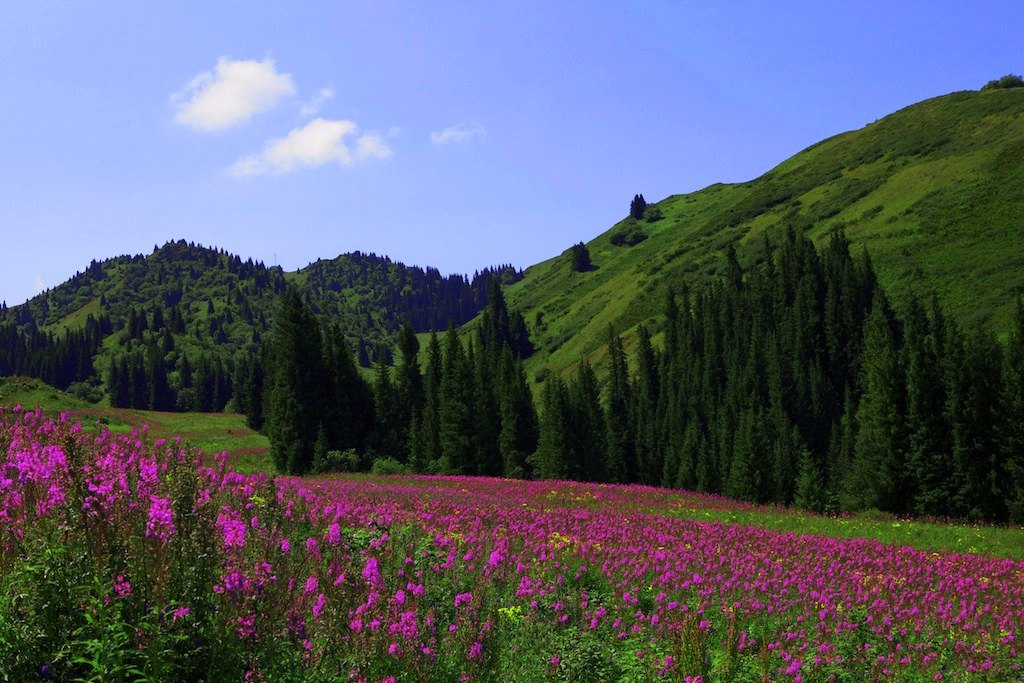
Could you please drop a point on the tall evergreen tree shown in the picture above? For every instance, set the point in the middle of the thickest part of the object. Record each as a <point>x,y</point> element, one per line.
<point>294,384</point>
<point>646,389</point>
<point>428,434</point>
<point>877,474</point>
<point>1011,432</point>
<point>455,418</point>
<point>621,442</point>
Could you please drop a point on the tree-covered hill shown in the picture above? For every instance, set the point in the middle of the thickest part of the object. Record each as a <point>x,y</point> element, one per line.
<point>932,191</point>
<point>171,328</point>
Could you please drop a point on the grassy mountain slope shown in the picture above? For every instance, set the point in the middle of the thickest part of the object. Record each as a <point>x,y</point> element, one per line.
<point>205,303</point>
<point>935,192</point>
<point>211,432</point>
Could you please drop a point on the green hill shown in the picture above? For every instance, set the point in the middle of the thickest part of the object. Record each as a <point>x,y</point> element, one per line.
<point>932,191</point>
<point>935,192</point>
<point>201,313</point>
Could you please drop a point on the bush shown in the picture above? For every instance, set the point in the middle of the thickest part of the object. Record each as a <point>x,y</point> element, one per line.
<point>388,465</point>
<point>653,214</point>
<point>337,461</point>
<point>1007,81</point>
<point>629,235</point>
<point>87,391</point>
<point>579,256</point>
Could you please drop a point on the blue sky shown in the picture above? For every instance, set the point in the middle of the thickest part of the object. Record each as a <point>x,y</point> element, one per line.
<point>451,134</point>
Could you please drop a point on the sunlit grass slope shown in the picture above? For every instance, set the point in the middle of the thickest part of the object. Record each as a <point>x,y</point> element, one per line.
<point>934,192</point>
<point>211,432</point>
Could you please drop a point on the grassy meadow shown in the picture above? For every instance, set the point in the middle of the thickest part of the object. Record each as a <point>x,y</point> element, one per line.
<point>129,556</point>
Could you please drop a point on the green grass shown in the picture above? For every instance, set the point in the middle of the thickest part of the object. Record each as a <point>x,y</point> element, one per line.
<point>932,191</point>
<point>935,536</point>
<point>248,450</point>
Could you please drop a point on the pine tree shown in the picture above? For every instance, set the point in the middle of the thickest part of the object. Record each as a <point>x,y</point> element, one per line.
<point>388,429</point>
<point>928,445</point>
<point>549,461</point>
<point>876,477</point>
<point>973,387</point>
<point>455,418</point>
<point>1011,407</point>
<point>517,439</point>
<point>637,207</point>
<point>294,385</point>
<point>645,409</point>
<point>409,380</point>
<point>621,441</point>
<point>587,449</point>
<point>580,257</point>
<point>810,486</point>
<point>347,402</point>
<point>429,433</point>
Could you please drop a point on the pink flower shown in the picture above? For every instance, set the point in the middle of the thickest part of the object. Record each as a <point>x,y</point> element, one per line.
<point>370,572</point>
<point>318,606</point>
<point>160,523</point>
<point>122,587</point>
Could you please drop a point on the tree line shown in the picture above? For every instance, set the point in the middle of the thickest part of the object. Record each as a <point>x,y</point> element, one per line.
<point>796,382</point>
<point>189,320</point>
<point>793,381</point>
<point>467,411</point>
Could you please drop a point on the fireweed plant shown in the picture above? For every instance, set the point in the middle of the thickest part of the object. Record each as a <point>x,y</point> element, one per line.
<point>123,558</point>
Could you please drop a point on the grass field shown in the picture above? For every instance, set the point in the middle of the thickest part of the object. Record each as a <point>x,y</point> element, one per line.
<point>932,191</point>
<point>121,560</point>
<point>210,432</point>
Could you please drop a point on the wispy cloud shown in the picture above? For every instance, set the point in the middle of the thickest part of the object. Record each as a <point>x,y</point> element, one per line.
<point>460,134</point>
<point>312,107</point>
<point>230,94</point>
<point>38,285</point>
<point>319,142</point>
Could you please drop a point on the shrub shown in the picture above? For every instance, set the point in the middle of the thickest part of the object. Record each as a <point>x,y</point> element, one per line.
<point>337,461</point>
<point>629,235</point>
<point>1007,81</point>
<point>388,465</point>
<point>653,214</point>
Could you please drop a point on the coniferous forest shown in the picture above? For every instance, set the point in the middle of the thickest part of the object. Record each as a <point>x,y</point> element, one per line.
<point>795,381</point>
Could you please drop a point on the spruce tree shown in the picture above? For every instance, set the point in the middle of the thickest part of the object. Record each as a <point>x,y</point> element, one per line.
<point>621,441</point>
<point>294,384</point>
<point>876,476</point>
<point>428,435</point>
<point>646,389</point>
<point>550,460</point>
<point>586,449</point>
<point>928,441</point>
<point>1011,418</point>
<point>517,439</point>
<point>455,418</point>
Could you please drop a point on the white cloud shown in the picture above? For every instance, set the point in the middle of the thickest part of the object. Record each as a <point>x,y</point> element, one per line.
<point>312,107</point>
<point>38,285</point>
<point>459,134</point>
<point>231,94</point>
<point>319,142</point>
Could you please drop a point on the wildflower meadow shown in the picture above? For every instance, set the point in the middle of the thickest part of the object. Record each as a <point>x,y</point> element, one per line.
<point>122,557</point>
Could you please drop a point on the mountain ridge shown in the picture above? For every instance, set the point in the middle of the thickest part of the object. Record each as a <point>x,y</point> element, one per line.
<point>930,191</point>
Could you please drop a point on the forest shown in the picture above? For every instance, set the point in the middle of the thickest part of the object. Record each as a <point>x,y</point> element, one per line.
<point>794,381</point>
